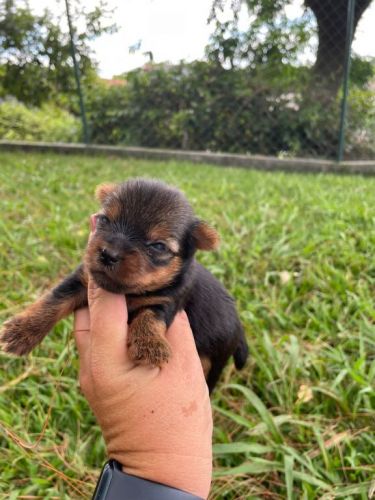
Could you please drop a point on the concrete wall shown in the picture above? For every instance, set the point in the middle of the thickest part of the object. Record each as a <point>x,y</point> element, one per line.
<point>267,163</point>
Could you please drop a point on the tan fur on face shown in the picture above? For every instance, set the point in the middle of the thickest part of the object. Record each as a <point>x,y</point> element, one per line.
<point>112,208</point>
<point>160,277</point>
<point>160,232</point>
<point>132,268</point>
<point>104,190</point>
<point>135,271</point>
<point>173,245</point>
<point>163,233</point>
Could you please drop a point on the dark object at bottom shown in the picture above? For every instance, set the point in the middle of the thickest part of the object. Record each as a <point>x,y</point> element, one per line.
<point>114,484</point>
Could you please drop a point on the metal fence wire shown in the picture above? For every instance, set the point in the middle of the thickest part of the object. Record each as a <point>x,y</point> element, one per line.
<point>279,78</point>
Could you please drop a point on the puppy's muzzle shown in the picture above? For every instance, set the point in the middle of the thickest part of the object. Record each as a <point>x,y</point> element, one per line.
<point>109,257</point>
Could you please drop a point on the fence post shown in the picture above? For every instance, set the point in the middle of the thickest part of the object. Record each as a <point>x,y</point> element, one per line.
<point>77,76</point>
<point>345,86</point>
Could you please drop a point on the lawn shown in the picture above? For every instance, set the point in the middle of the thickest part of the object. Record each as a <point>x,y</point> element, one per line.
<point>297,254</point>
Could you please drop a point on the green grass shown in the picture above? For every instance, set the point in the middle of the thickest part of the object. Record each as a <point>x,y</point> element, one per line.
<point>297,253</point>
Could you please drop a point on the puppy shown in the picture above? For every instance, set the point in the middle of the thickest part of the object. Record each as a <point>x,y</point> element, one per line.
<point>143,246</point>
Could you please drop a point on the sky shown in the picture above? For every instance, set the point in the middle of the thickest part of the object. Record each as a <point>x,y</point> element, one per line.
<point>173,30</point>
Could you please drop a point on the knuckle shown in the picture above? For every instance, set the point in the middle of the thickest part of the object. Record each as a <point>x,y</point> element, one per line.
<point>99,374</point>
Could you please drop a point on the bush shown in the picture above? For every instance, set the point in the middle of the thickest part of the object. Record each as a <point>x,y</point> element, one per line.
<point>361,127</point>
<point>203,106</point>
<point>48,123</point>
<point>107,109</point>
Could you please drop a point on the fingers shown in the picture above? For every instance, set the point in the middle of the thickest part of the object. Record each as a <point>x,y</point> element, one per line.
<point>109,317</point>
<point>82,331</point>
<point>180,336</point>
<point>185,360</point>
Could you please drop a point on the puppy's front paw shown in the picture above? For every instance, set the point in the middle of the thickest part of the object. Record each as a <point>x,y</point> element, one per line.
<point>153,350</point>
<point>18,335</point>
<point>146,342</point>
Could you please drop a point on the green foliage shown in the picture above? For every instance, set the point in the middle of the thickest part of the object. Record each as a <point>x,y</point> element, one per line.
<point>362,71</point>
<point>48,123</point>
<point>35,53</point>
<point>274,37</point>
<point>296,253</point>
<point>271,37</point>
<point>204,106</point>
<point>254,94</point>
<point>361,124</point>
<point>107,109</point>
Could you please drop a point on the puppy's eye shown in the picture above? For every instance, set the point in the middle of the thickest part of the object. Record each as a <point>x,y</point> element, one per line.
<point>102,219</point>
<point>158,246</point>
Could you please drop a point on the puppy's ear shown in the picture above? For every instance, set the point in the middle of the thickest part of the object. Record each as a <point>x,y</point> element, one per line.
<point>103,190</point>
<point>205,237</point>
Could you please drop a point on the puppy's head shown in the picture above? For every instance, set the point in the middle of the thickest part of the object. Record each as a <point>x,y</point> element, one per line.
<point>145,234</point>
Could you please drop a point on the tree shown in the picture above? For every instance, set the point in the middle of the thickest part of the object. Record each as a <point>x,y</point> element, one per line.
<point>35,52</point>
<point>332,18</point>
<point>273,38</point>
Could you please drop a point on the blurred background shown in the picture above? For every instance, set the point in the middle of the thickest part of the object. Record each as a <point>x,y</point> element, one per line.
<point>287,78</point>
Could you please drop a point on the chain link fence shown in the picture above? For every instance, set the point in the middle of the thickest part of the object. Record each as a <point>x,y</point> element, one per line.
<point>286,78</point>
<point>279,78</point>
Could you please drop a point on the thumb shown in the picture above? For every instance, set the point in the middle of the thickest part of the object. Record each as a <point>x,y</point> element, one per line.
<point>180,337</point>
<point>108,325</point>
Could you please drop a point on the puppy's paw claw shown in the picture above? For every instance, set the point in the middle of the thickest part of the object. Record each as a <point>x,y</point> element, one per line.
<point>153,351</point>
<point>16,337</point>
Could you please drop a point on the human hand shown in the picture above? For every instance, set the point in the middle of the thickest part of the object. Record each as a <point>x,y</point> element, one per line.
<point>156,421</point>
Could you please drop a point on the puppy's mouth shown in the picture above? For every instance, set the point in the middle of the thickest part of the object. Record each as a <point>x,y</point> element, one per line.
<point>115,272</point>
<point>106,282</point>
<point>104,273</point>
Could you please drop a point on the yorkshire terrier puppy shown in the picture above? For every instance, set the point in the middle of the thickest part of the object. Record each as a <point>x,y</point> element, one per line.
<point>143,246</point>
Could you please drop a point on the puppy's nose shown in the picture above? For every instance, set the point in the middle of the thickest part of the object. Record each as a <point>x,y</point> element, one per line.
<point>109,257</point>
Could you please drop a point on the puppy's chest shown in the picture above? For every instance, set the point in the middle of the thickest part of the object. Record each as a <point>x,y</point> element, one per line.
<point>135,302</point>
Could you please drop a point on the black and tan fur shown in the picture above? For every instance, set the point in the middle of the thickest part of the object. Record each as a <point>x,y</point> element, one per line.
<point>143,246</point>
